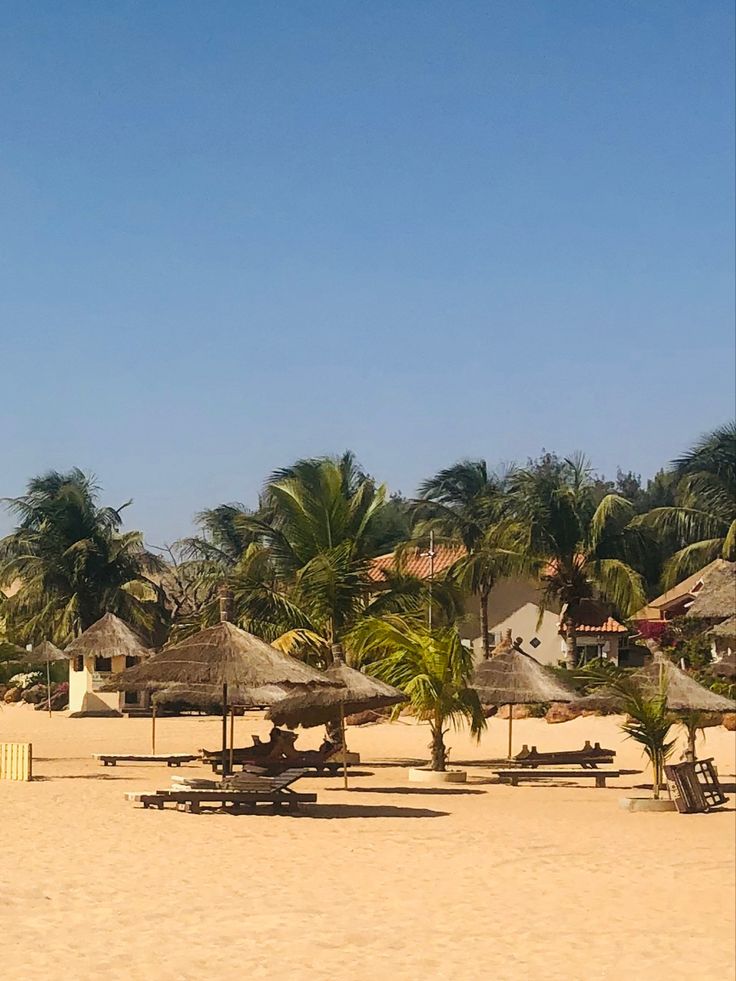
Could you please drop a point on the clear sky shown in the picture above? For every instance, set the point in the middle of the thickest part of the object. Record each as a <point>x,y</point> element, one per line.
<point>238,233</point>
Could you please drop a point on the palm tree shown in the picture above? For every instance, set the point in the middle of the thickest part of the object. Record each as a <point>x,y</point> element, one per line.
<point>703,521</point>
<point>431,667</point>
<point>467,506</point>
<point>581,550</point>
<point>73,561</point>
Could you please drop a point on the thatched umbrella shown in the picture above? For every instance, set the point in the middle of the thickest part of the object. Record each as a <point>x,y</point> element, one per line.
<point>222,658</point>
<point>512,677</point>
<point>682,693</point>
<point>357,693</point>
<point>43,653</point>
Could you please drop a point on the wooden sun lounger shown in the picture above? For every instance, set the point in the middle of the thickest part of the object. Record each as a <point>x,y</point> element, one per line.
<point>514,777</point>
<point>589,757</point>
<point>170,759</point>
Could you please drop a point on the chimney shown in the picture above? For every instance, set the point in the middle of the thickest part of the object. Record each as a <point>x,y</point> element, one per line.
<point>225,596</point>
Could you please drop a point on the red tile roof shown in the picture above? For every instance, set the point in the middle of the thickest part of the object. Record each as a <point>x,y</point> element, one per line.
<point>609,626</point>
<point>415,563</point>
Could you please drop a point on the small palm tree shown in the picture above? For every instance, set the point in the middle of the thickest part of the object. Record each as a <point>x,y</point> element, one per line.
<point>703,523</point>
<point>432,668</point>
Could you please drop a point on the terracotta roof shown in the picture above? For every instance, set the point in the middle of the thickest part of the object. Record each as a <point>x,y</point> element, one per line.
<point>415,563</point>
<point>609,626</point>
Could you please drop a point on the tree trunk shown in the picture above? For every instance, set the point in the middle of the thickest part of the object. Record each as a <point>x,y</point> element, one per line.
<point>332,728</point>
<point>691,734</point>
<point>571,644</point>
<point>484,623</point>
<point>437,746</point>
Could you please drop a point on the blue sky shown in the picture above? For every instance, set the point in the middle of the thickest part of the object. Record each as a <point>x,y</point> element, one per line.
<point>235,234</point>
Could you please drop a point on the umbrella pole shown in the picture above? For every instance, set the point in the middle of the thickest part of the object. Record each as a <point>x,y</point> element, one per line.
<point>48,684</point>
<point>232,736</point>
<point>344,747</point>
<point>224,730</point>
<point>511,722</point>
<point>153,728</point>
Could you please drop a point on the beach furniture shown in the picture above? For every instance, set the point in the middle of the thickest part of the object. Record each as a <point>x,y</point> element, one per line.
<point>170,759</point>
<point>16,761</point>
<point>244,792</point>
<point>516,776</point>
<point>694,786</point>
<point>589,757</point>
<point>278,754</point>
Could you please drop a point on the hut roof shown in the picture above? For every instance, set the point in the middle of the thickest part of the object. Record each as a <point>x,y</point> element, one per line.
<point>46,651</point>
<point>217,656</point>
<point>207,696</point>
<point>108,637</point>
<point>357,693</point>
<point>727,628</point>
<point>512,677</point>
<point>683,693</point>
<point>716,598</point>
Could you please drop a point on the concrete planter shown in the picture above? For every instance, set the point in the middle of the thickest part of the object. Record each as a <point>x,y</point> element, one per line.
<point>435,777</point>
<point>647,804</point>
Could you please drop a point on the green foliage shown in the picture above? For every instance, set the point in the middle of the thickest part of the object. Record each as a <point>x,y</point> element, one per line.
<point>684,639</point>
<point>432,668</point>
<point>74,561</point>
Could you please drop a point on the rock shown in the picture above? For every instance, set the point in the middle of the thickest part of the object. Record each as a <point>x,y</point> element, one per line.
<point>729,721</point>
<point>35,694</point>
<point>561,712</point>
<point>519,712</point>
<point>367,718</point>
<point>13,695</point>
<point>490,710</point>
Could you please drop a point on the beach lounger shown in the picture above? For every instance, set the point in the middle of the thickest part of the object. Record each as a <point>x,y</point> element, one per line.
<point>589,757</point>
<point>516,776</point>
<point>170,759</point>
<point>694,786</point>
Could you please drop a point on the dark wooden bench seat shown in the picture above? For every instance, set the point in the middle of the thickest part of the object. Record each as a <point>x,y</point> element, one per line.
<point>516,776</point>
<point>170,759</point>
<point>589,757</point>
<point>193,800</point>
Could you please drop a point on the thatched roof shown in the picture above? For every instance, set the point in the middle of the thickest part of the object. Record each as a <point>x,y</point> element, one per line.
<point>208,697</point>
<point>725,668</point>
<point>46,651</point>
<point>727,628</point>
<point>716,598</point>
<point>357,693</point>
<point>217,656</point>
<point>108,637</point>
<point>511,677</point>
<point>683,693</point>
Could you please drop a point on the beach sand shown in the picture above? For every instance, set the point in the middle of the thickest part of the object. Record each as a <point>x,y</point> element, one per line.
<point>387,881</point>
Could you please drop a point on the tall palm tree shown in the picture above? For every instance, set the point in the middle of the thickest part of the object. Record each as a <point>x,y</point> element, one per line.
<point>74,562</point>
<point>431,667</point>
<point>581,550</point>
<point>703,521</point>
<point>467,505</point>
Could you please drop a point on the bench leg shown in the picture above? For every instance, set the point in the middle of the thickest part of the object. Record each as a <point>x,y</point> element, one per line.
<point>600,780</point>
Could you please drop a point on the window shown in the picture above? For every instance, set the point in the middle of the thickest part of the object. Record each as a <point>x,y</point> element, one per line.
<point>130,698</point>
<point>78,663</point>
<point>130,661</point>
<point>535,642</point>
<point>103,665</point>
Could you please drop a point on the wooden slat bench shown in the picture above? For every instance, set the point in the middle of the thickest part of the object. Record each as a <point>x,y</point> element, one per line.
<point>191,800</point>
<point>170,759</point>
<point>514,777</point>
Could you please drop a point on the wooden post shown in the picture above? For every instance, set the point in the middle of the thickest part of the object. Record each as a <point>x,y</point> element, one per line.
<point>224,731</point>
<point>153,727</point>
<point>344,747</point>
<point>232,736</point>
<point>48,684</point>
<point>511,721</point>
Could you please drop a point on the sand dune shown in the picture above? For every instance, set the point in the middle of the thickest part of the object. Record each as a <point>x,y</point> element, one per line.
<point>387,880</point>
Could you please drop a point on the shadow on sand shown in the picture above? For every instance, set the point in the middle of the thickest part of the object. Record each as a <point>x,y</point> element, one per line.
<point>79,776</point>
<point>415,791</point>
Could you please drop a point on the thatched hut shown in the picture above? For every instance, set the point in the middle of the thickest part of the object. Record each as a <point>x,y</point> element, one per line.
<point>108,646</point>
<point>715,599</point>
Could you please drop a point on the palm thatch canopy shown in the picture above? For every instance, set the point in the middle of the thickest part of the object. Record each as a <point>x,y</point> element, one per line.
<point>108,637</point>
<point>358,692</point>
<point>512,677</point>
<point>682,692</point>
<point>727,629</point>
<point>725,668</point>
<point>209,697</point>
<point>46,651</point>
<point>217,656</point>
<point>716,598</point>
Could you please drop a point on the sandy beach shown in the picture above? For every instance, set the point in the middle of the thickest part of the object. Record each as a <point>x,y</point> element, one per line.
<point>386,880</point>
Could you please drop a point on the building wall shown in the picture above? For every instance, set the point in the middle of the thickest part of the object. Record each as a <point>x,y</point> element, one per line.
<point>506,597</point>
<point>84,695</point>
<point>524,623</point>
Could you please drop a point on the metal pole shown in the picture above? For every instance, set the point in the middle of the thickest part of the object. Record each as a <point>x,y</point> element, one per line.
<point>224,730</point>
<point>431,578</point>
<point>344,747</point>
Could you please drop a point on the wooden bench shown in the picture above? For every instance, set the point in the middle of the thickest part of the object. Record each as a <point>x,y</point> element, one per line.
<point>589,757</point>
<point>191,800</point>
<point>170,759</point>
<point>514,777</point>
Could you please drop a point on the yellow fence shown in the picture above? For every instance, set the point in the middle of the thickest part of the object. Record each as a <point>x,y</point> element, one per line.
<point>16,761</point>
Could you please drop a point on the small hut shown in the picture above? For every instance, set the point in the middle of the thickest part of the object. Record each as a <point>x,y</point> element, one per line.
<point>715,600</point>
<point>105,648</point>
